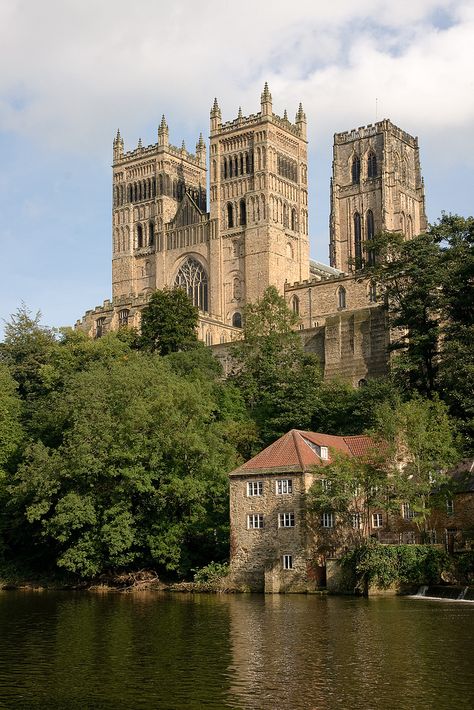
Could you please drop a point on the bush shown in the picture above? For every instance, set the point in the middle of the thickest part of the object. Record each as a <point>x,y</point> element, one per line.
<point>212,572</point>
<point>384,565</point>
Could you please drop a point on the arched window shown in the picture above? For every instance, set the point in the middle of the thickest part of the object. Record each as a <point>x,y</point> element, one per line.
<point>373,292</point>
<point>372,165</point>
<point>293,220</point>
<point>193,279</point>
<point>341,297</point>
<point>151,234</point>
<point>100,327</point>
<point>230,215</point>
<point>289,251</point>
<point>237,320</point>
<point>356,170</point>
<point>369,219</point>
<point>295,305</point>
<point>409,227</point>
<point>225,168</point>
<point>139,236</point>
<point>357,241</point>
<point>243,212</point>
<point>123,317</point>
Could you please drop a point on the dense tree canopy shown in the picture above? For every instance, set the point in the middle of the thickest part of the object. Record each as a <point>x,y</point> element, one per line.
<point>169,322</point>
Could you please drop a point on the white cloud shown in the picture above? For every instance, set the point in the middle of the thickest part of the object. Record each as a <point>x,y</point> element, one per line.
<point>70,70</point>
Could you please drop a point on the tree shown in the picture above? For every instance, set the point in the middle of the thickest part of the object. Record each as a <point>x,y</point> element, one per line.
<point>410,273</point>
<point>413,445</point>
<point>169,322</point>
<point>138,478</point>
<point>278,380</point>
<point>428,283</point>
<point>11,432</point>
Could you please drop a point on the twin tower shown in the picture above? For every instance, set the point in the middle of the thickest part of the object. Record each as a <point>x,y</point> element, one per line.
<point>255,233</point>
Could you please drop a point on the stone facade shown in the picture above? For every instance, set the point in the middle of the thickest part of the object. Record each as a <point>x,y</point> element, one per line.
<point>256,231</point>
<point>274,542</point>
<point>376,187</point>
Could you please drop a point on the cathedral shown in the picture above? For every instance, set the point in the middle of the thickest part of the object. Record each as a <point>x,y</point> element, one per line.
<point>252,230</point>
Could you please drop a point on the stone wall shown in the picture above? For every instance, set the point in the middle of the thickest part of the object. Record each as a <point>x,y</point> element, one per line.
<point>257,554</point>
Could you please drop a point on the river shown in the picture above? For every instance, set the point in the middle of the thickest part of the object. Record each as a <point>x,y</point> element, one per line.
<point>171,651</point>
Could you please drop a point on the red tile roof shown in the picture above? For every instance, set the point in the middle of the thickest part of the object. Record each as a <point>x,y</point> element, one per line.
<point>293,452</point>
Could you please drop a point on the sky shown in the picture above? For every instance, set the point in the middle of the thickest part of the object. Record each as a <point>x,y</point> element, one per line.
<point>73,71</point>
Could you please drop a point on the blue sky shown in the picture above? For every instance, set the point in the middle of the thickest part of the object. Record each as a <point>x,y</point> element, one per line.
<point>72,71</point>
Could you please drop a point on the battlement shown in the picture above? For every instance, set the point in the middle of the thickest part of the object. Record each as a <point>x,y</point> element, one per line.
<point>371,130</point>
<point>256,118</point>
<point>152,150</point>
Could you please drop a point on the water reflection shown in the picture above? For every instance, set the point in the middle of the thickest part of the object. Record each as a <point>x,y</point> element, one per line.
<point>68,650</point>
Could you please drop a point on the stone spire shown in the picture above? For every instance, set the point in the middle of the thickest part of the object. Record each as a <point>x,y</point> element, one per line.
<point>300,121</point>
<point>285,115</point>
<point>266,101</point>
<point>239,115</point>
<point>201,150</point>
<point>118,146</point>
<point>216,117</point>
<point>140,146</point>
<point>163,133</point>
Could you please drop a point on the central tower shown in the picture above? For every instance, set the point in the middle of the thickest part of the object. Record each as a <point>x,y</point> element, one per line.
<point>258,204</point>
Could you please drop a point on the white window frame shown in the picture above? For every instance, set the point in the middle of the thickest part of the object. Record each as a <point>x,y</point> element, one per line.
<point>324,453</point>
<point>286,520</point>
<point>254,488</point>
<point>287,561</point>
<point>407,512</point>
<point>327,520</point>
<point>283,486</point>
<point>255,521</point>
<point>356,521</point>
<point>450,507</point>
<point>326,484</point>
<point>377,520</point>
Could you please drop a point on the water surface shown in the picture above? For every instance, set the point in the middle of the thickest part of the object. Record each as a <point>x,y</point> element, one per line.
<point>154,650</point>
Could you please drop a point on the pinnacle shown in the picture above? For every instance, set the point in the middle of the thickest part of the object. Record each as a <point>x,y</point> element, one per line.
<point>285,115</point>
<point>266,95</point>
<point>240,112</point>
<point>183,145</point>
<point>140,143</point>
<point>118,136</point>
<point>163,124</point>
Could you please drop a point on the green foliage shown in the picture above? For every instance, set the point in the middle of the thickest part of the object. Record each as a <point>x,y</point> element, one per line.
<point>384,565</point>
<point>129,467</point>
<point>11,431</point>
<point>278,380</point>
<point>212,572</point>
<point>429,289</point>
<point>169,323</point>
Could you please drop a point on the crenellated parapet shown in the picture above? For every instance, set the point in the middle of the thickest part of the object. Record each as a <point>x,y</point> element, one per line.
<point>371,130</point>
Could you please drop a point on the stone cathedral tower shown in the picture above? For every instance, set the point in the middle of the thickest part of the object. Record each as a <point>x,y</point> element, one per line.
<point>376,186</point>
<point>259,205</point>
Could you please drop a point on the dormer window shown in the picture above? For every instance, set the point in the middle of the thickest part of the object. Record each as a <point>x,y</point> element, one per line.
<point>321,451</point>
<point>324,453</point>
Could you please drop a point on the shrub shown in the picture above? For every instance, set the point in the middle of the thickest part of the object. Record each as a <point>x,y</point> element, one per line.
<point>212,572</point>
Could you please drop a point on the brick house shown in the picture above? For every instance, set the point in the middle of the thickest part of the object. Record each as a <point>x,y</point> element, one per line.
<point>277,546</point>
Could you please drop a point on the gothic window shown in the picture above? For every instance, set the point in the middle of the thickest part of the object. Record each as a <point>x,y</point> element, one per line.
<point>289,251</point>
<point>100,327</point>
<point>139,236</point>
<point>230,215</point>
<point>293,220</point>
<point>237,320</point>
<point>295,305</point>
<point>285,215</point>
<point>372,292</point>
<point>236,166</point>
<point>153,187</point>
<point>193,279</point>
<point>247,164</point>
<point>372,165</point>
<point>356,170</point>
<point>243,212</point>
<point>151,234</point>
<point>241,164</point>
<point>409,227</point>
<point>341,298</point>
<point>370,235</point>
<point>237,289</point>
<point>357,241</point>
<point>123,317</point>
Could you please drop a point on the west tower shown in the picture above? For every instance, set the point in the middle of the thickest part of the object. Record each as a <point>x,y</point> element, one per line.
<point>258,205</point>
<point>150,184</point>
<point>376,186</point>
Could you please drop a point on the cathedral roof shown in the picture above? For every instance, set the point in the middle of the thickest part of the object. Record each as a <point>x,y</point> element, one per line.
<point>317,268</point>
<point>300,451</point>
